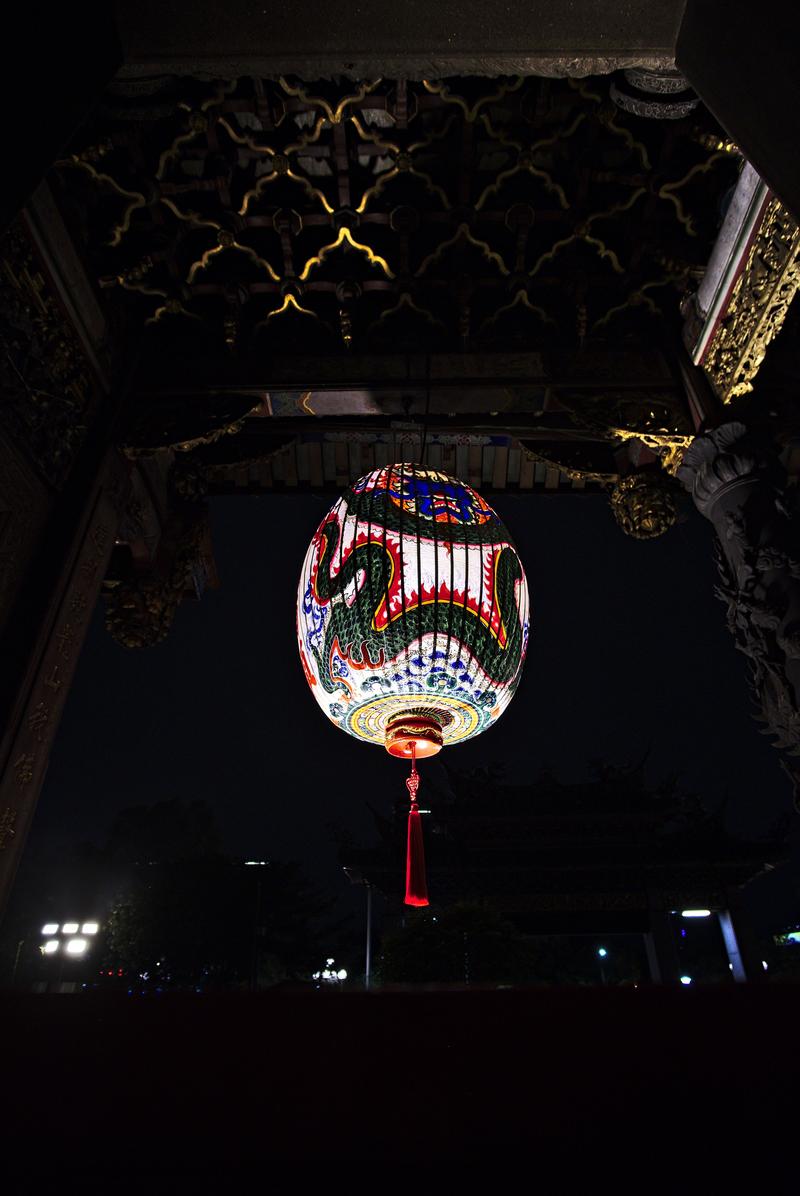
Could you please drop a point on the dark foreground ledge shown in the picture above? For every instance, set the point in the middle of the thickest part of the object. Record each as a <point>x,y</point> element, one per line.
<point>225,1088</point>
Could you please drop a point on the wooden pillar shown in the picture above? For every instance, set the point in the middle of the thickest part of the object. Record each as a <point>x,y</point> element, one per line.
<point>30,731</point>
<point>62,488</point>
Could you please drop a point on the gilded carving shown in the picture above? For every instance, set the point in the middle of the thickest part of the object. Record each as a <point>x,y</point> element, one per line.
<point>668,446</point>
<point>569,471</point>
<point>38,720</point>
<point>53,681</point>
<point>23,768</point>
<point>643,505</point>
<point>23,510</point>
<point>47,383</point>
<point>8,819</point>
<point>140,610</point>
<point>652,418</point>
<point>65,640</point>
<point>758,305</point>
<point>78,603</point>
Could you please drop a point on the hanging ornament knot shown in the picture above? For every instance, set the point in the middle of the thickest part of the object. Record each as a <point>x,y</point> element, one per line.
<point>412,784</point>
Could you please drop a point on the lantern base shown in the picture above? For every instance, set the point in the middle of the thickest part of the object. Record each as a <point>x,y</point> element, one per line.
<point>409,733</point>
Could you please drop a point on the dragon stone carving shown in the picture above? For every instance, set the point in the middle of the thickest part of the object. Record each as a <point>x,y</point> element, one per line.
<point>737,483</point>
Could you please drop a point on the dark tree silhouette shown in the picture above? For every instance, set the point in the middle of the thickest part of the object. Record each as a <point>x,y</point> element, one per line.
<point>185,915</point>
<point>211,922</point>
<point>466,944</point>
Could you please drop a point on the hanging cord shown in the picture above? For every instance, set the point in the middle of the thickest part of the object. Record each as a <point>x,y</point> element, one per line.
<point>426,416</point>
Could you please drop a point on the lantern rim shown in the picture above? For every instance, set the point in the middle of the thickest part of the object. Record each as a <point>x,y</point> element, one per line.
<point>411,734</point>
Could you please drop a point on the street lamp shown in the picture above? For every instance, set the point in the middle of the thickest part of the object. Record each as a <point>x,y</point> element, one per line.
<point>74,937</point>
<point>329,974</point>
<point>357,878</point>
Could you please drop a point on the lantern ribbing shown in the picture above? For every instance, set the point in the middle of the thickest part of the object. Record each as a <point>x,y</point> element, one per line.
<point>412,613</point>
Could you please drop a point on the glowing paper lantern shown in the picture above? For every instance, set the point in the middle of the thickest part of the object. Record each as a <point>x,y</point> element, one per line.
<point>412,620</point>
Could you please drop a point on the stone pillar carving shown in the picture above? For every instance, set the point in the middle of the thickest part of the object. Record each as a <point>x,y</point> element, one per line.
<point>736,482</point>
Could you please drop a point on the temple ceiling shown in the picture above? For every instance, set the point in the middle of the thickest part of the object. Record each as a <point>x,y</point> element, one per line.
<point>255,218</point>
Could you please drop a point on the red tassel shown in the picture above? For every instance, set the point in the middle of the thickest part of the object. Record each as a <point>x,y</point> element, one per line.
<point>416,884</point>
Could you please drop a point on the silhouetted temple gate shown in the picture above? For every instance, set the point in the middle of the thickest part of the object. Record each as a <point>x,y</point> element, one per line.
<point>608,856</point>
<point>225,280</point>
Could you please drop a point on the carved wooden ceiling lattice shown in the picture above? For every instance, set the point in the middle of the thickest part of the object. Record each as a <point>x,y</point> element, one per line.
<point>256,217</point>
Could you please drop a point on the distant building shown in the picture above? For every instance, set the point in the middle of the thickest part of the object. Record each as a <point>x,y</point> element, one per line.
<point>605,856</point>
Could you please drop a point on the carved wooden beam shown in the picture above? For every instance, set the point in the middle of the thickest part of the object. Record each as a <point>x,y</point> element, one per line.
<point>752,277</point>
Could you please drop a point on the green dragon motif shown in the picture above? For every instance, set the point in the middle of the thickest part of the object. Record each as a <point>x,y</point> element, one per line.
<point>363,642</point>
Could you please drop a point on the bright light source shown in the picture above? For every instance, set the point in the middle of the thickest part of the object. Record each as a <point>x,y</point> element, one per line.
<point>76,946</point>
<point>329,962</point>
<point>601,951</point>
<point>256,863</point>
<point>695,913</point>
<point>90,928</point>
<point>342,974</point>
<point>50,947</point>
<point>765,965</point>
<point>686,980</point>
<point>70,928</point>
<point>50,928</point>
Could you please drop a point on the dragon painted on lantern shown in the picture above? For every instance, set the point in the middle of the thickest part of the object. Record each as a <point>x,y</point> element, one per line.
<point>412,602</point>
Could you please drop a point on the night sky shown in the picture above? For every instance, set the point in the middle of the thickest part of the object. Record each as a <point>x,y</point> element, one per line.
<point>628,652</point>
